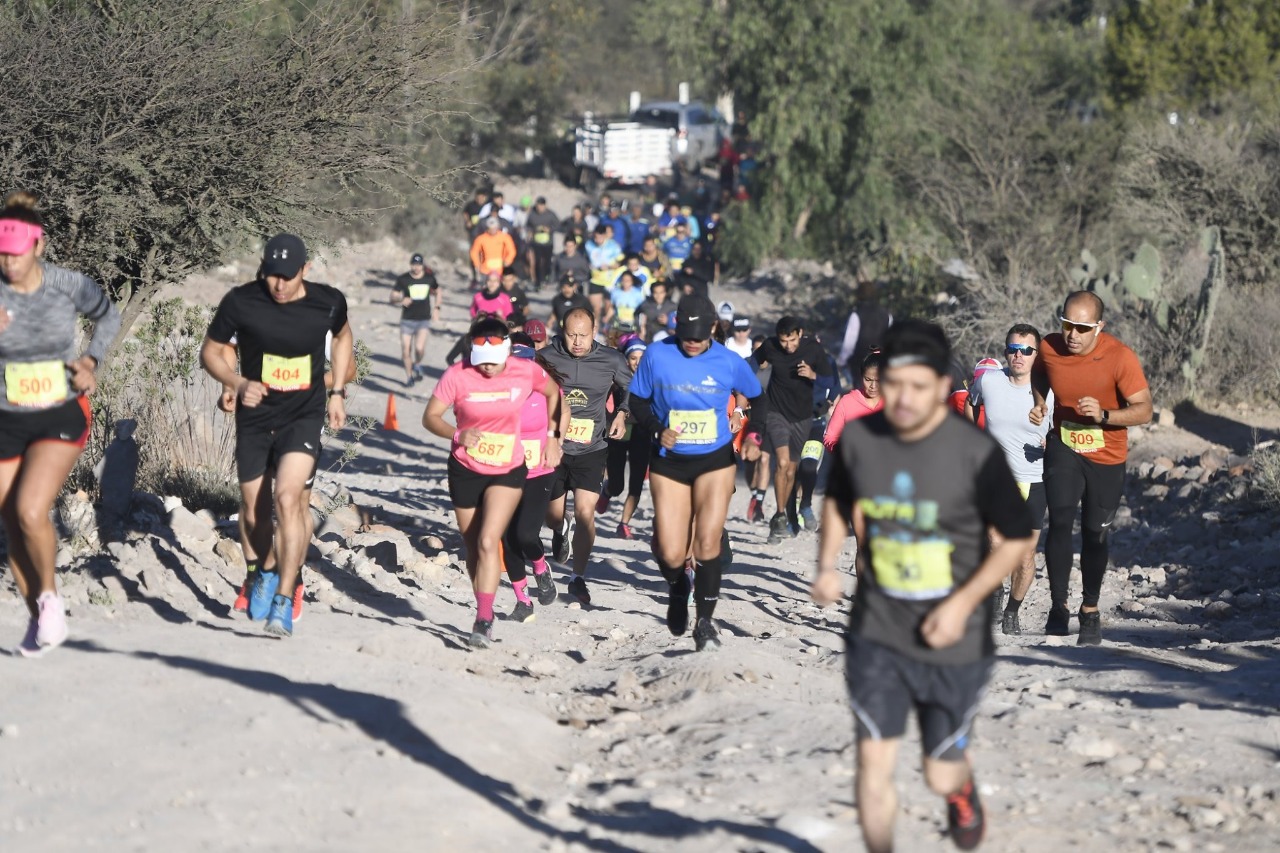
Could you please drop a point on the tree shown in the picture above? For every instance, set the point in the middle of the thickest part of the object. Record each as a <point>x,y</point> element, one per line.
<point>162,136</point>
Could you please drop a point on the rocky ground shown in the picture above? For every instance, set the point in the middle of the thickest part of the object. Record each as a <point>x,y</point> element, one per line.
<point>167,720</point>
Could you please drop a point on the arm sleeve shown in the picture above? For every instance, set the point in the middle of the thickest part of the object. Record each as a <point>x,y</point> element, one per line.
<point>508,250</point>
<point>975,392</point>
<point>999,502</point>
<point>642,413</point>
<point>475,305</point>
<point>477,257</point>
<point>446,390</point>
<point>340,315</point>
<point>745,381</point>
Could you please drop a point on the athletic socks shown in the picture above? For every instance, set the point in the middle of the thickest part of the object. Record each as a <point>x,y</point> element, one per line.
<point>671,573</point>
<point>758,494</point>
<point>522,591</point>
<point>484,606</point>
<point>1012,605</point>
<point>251,566</point>
<point>540,565</point>
<point>706,586</point>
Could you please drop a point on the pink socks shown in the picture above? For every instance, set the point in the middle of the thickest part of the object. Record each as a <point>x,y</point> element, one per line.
<point>484,606</point>
<point>522,592</point>
<point>540,566</point>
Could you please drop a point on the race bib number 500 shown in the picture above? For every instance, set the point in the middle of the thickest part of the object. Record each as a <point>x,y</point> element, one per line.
<point>286,374</point>
<point>40,383</point>
<point>1081,438</point>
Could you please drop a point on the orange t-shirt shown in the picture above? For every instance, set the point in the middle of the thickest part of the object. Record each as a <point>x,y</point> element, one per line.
<point>1109,374</point>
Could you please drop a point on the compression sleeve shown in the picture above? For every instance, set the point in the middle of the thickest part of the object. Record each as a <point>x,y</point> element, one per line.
<point>642,414</point>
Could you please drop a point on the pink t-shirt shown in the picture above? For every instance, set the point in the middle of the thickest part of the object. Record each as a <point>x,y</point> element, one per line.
<point>500,303</point>
<point>492,405</point>
<point>850,407</point>
<point>533,435</point>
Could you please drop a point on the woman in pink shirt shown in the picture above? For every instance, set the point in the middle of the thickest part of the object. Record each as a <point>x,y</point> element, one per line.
<point>856,404</point>
<point>487,470</point>
<point>492,300</point>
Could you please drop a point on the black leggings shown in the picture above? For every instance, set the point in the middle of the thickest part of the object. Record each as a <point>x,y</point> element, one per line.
<point>635,451</point>
<point>1072,481</point>
<point>523,540</point>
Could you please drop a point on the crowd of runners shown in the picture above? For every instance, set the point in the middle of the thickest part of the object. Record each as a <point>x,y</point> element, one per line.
<point>641,378</point>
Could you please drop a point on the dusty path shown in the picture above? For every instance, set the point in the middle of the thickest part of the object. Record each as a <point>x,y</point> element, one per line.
<point>168,723</point>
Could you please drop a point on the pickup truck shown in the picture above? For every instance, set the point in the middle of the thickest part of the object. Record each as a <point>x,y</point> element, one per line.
<point>655,139</point>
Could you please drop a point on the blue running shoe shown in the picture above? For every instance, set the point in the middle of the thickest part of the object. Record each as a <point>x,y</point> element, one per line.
<point>260,594</point>
<point>280,622</point>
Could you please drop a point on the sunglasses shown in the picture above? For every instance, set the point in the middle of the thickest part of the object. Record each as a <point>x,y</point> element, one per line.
<point>1019,349</point>
<point>487,339</point>
<point>1079,328</point>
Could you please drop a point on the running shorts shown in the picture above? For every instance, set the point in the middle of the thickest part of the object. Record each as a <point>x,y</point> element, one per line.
<point>884,685</point>
<point>597,290</point>
<point>583,471</point>
<point>67,422</point>
<point>467,488</point>
<point>1072,480</point>
<point>1036,502</point>
<point>259,451</point>
<point>780,432</point>
<point>409,328</point>
<point>686,467</point>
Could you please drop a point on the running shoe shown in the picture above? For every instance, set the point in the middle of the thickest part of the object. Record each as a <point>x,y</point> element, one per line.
<point>280,619</point>
<point>998,600</point>
<point>298,592</point>
<point>755,510</point>
<point>523,612</point>
<point>261,593</point>
<point>546,587</point>
<point>562,541</point>
<point>678,605</point>
<point>1059,621</point>
<point>808,520</point>
<point>705,636</point>
<point>690,572</point>
<point>578,589</point>
<point>1090,629</point>
<point>52,628</point>
<point>481,634</point>
<point>1009,622</point>
<point>964,817</point>
<point>242,598</point>
<point>779,529</point>
<point>624,531</point>
<point>29,647</point>
<point>603,503</point>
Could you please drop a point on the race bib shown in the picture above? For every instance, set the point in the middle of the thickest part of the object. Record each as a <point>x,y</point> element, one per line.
<point>541,237</point>
<point>532,452</point>
<point>492,265</point>
<point>914,571</point>
<point>696,426</point>
<point>1024,489</point>
<point>604,278</point>
<point>812,450</point>
<point>419,292</point>
<point>676,263</point>
<point>286,374</point>
<point>626,315</point>
<point>1081,438</point>
<point>38,383</point>
<point>581,430</point>
<point>493,449</point>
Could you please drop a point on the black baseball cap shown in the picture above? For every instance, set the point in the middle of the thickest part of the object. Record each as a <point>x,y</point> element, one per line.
<point>741,324</point>
<point>285,255</point>
<point>695,315</point>
<point>417,259</point>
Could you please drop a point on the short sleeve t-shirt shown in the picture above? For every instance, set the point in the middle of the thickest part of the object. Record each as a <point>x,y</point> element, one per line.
<point>421,291</point>
<point>494,405</point>
<point>691,394</point>
<point>625,305</point>
<point>281,345</point>
<point>926,506</point>
<point>790,395</point>
<point>1109,374</point>
<point>1006,407</point>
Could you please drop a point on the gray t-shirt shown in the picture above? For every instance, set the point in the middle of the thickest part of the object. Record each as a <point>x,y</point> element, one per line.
<point>926,507</point>
<point>1007,406</point>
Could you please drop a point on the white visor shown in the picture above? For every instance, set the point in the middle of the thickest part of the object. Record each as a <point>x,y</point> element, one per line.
<point>491,353</point>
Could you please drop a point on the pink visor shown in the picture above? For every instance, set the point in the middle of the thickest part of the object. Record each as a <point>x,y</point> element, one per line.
<point>17,238</point>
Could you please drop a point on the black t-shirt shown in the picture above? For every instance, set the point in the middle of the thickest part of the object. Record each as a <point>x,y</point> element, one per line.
<point>420,290</point>
<point>652,311</point>
<point>790,395</point>
<point>561,306</point>
<point>472,210</point>
<point>288,340</point>
<point>926,506</point>
<point>578,265</point>
<point>519,300</point>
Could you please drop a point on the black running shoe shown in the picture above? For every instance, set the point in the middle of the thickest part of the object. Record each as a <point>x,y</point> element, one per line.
<point>481,634</point>
<point>678,606</point>
<point>1009,622</point>
<point>578,589</point>
<point>523,612</point>
<point>1059,622</point>
<point>1090,629</point>
<point>779,529</point>
<point>546,588</point>
<point>562,542</point>
<point>964,817</point>
<point>705,636</point>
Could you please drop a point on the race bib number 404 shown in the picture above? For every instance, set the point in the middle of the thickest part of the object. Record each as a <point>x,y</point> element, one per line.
<point>286,374</point>
<point>915,571</point>
<point>493,449</point>
<point>696,426</point>
<point>36,384</point>
<point>1081,438</point>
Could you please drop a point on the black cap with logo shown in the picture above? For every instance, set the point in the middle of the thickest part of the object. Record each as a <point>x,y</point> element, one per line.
<point>695,315</point>
<point>284,256</point>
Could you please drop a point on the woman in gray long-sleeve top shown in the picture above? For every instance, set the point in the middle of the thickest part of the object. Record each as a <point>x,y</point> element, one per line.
<point>44,413</point>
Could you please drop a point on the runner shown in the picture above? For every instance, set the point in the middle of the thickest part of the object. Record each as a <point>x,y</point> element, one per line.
<point>576,228</point>
<point>857,403</point>
<point>630,451</point>
<point>572,261</point>
<point>1003,397</point>
<point>679,246</point>
<point>44,407</point>
<point>652,259</point>
<point>921,488</point>
<point>681,397</point>
<point>416,291</point>
<point>492,299</point>
<point>543,225</point>
<point>865,330</point>
<point>522,541</point>
<point>493,250</point>
<point>279,324</point>
<point>568,299</point>
<point>797,362</point>
<point>516,293</point>
<point>826,390</point>
<point>486,466</point>
<point>590,371</point>
<point>625,299</point>
<point>655,311</point>
<point>605,257</point>
<point>740,343</point>
<point>1099,392</point>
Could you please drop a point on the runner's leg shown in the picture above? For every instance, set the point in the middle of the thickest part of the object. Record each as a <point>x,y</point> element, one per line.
<point>711,493</point>
<point>672,517</point>
<point>498,505</point>
<point>584,528</point>
<point>292,473</point>
<point>24,573</point>
<point>43,472</point>
<point>420,345</point>
<point>877,796</point>
<point>406,355</point>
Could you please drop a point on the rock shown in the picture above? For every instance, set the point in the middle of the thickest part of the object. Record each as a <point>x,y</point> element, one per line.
<point>1165,417</point>
<point>1156,491</point>
<point>230,552</point>
<point>542,666</point>
<point>1188,490</point>
<point>1132,606</point>
<point>114,589</point>
<point>386,546</point>
<point>435,543</point>
<point>80,521</point>
<point>1193,473</point>
<point>1218,610</point>
<point>340,525</point>
<point>806,827</point>
<point>1125,765</point>
<point>1091,747</point>
<point>9,730</point>
<point>192,532</point>
<point>1214,459</point>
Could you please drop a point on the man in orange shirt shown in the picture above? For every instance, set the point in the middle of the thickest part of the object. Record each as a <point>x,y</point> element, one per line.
<point>494,250</point>
<point>1099,391</point>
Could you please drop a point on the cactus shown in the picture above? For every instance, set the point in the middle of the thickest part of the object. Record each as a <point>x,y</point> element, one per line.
<point>1206,306</point>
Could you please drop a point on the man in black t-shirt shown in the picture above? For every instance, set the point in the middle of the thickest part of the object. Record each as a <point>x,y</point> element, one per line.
<point>921,487</point>
<point>571,260</point>
<point>797,361</point>
<point>568,299</point>
<point>542,224</point>
<point>279,324</point>
<point>418,294</point>
<point>655,311</point>
<point>511,286</point>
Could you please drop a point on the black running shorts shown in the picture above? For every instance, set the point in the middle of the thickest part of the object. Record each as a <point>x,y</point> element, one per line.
<point>467,488</point>
<point>685,468</point>
<point>884,685</point>
<point>1038,503</point>
<point>67,422</point>
<point>259,451</point>
<point>780,432</point>
<point>583,471</point>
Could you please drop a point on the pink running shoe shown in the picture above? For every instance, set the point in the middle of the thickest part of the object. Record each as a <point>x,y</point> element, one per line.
<point>52,630</point>
<point>29,648</point>
<point>625,532</point>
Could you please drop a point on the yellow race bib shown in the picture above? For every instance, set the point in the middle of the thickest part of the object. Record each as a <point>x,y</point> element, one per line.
<point>676,263</point>
<point>419,292</point>
<point>541,237</point>
<point>696,426</point>
<point>812,450</point>
<point>1081,438</point>
<point>1024,489</point>
<point>626,315</point>
<point>532,452</point>
<point>493,449</point>
<point>581,430</point>
<point>36,384</point>
<point>286,374</point>
<point>915,571</point>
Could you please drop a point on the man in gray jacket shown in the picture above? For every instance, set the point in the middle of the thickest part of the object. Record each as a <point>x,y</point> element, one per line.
<point>588,373</point>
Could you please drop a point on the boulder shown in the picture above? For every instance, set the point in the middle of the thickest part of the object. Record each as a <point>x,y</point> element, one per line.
<point>390,549</point>
<point>193,533</point>
<point>1214,459</point>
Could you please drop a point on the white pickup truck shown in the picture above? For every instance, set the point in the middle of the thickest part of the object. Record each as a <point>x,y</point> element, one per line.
<point>652,141</point>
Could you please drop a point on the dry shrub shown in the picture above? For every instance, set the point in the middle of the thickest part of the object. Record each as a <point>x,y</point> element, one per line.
<point>1265,481</point>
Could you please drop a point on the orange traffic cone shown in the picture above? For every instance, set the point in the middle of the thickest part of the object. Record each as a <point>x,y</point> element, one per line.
<point>390,421</point>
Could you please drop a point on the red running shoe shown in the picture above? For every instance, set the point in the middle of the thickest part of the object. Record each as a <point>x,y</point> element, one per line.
<point>624,531</point>
<point>242,600</point>
<point>964,817</point>
<point>297,599</point>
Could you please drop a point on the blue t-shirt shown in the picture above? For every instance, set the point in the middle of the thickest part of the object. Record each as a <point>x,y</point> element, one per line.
<point>625,304</point>
<point>692,394</point>
<point>678,251</point>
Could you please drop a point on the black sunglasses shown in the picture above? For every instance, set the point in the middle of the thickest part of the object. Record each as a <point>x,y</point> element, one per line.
<point>1019,349</point>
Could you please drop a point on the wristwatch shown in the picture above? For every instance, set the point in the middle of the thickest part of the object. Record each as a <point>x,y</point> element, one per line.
<point>338,392</point>
<point>1106,416</point>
